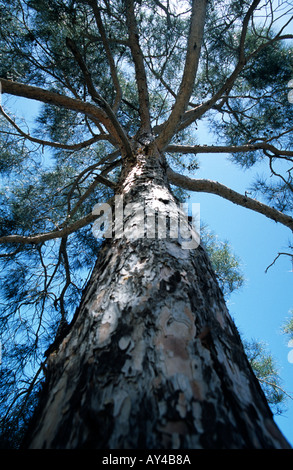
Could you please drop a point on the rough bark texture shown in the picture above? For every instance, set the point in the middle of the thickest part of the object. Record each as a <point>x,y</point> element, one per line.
<point>153,359</point>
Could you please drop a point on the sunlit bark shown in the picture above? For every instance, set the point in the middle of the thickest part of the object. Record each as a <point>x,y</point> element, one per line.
<point>152,359</point>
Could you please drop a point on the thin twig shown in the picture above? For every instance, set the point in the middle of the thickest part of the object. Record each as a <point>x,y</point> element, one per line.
<point>277,257</point>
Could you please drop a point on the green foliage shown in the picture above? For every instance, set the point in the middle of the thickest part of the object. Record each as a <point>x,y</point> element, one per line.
<point>41,285</point>
<point>12,153</point>
<point>288,326</point>
<point>266,370</point>
<point>259,109</point>
<point>226,265</point>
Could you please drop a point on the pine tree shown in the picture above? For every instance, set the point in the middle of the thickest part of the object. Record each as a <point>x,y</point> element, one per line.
<point>125,341</point>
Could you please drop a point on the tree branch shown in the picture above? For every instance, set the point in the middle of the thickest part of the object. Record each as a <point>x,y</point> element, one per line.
<point>98,179</point>
<point>43,237</point>
<point>208,186</point>
<point>277,257</point>
<point>275,386</point>
<point>97,98</point>
<point>197,22</point>
<point>109,55</point>
<point>56,99</point>
<point>63,253</point>
<point>65,229</point>
<point>141,78</point>
<point>195,113</point>
<point>108,163</point>
<point>245,24</point>
<point>228,149</point>
<point>78,146</point>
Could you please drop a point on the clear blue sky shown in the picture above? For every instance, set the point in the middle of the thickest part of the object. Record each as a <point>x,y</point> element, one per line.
<point>261,307</point>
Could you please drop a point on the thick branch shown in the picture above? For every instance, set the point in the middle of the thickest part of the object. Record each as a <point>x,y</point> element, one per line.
<point>197,112</point>
<point>140,73</point>
<point>197,22</point>
<point>109,55</point>
<point>56,99</point>
<point>228,149</point>
<point>208,186</point>
<point>50,97</point>
<point>245,24</point>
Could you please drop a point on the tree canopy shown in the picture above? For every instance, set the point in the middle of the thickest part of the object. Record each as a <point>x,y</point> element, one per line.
<point>97,76</point>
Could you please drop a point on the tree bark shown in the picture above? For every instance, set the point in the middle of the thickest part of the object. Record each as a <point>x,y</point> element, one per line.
<point>152,359</point>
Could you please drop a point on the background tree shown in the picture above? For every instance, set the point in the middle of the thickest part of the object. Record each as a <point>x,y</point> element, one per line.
<point>288,326</point>
<point>121,83</point>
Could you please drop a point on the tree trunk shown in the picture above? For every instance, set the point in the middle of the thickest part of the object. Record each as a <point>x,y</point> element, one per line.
<point>153,359</point>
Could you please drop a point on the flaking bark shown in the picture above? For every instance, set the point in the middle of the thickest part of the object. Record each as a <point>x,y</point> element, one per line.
<point>153,359</point>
